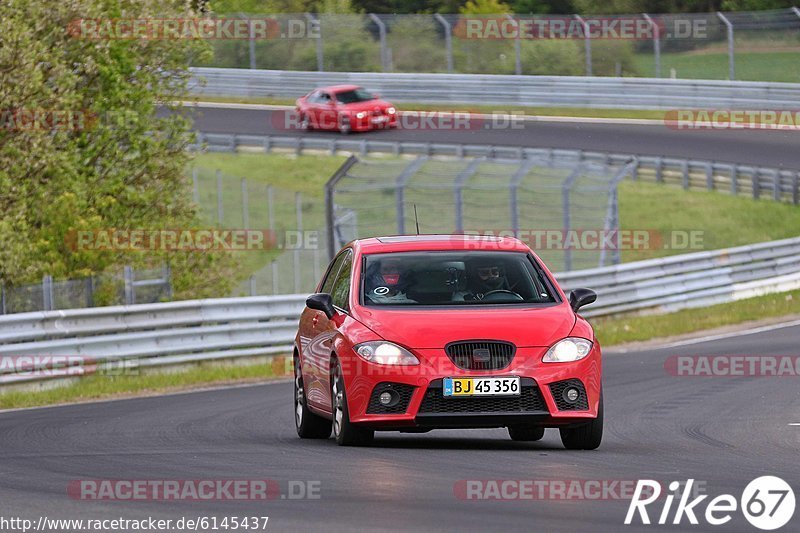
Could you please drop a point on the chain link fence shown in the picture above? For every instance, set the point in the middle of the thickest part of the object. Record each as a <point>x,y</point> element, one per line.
<point>294,260</point>
<point>758,45</point>
<point>530,199</point>
<point>124,287</point>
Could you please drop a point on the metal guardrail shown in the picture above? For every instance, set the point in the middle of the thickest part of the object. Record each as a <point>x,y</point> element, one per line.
<point>204,330</point>
<point>511,90</point>
<point>756,182</point>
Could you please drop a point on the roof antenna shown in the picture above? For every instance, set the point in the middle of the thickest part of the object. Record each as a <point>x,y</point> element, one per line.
<point>415,218</point>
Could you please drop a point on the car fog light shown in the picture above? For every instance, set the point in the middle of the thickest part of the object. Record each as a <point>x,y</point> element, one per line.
<point>386,398</point>
<point>572,394</point>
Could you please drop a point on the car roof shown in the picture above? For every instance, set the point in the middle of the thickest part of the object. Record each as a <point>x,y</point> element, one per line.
<point>338,88</point>
<point>438,242</point>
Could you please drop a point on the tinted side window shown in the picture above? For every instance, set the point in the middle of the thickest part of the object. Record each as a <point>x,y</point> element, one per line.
<point>327,285</point>
<point>341,288</point>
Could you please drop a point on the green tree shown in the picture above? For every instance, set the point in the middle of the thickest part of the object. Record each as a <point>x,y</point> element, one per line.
<point>116,164</point>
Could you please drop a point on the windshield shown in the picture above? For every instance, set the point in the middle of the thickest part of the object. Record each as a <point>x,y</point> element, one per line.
<point>453,278</point>
<point>356,95</point>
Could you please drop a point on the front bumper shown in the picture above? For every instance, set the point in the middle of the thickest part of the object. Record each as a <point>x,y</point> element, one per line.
<point>422,405</point>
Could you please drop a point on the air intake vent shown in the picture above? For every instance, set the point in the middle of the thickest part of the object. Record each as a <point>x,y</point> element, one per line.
<point>480,355</point>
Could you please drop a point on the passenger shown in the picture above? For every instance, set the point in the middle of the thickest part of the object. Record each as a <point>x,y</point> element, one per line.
<point>386,282</point>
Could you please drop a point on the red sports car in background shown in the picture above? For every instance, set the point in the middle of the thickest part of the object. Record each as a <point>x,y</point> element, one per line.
<point>413,333</point>
<point>345,108</point>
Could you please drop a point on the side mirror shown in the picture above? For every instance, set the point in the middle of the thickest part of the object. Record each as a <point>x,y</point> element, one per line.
<point>321,301</point>
<point>580,297</point>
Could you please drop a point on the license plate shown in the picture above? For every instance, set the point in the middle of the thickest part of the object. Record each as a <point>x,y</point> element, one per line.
<point>505,386</point>
<point>379,120</point>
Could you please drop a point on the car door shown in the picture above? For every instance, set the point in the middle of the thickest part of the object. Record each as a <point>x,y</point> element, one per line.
<point>326,115</point>
<point>320,334</point>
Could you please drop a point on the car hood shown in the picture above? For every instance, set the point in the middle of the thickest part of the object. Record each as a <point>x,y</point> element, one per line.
<point>367,105</point>
<point>434,328</point>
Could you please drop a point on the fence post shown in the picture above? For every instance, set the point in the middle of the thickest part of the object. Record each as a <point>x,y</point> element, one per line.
<point>382,35</point>
<point>252,283</point>
<point>656,42</point>
<point>47,292</point>
<point>729,25</point>
<point>756,184</point>
<point>448,40</point>
<point>794,188</point>
<point>565,189</point>
<point>245,206</point>
<point>517,50</point>
<point>400,188</point>
<point>274,267</point>
<point>251,41</point>
<point>514,183</point>
<point>659,170</point>
<point>734,179</point>
<point>167,276</point>
<point>313,21</point>
<point>710,175</point>
<point>587,44</point>
<point>2,298</point>
<point>685,174</point>
<point>776,185</point>
<point>127,274</point>
<point>219,198</point>
<point>90,291</point>
<point>298,206</point>
<point>461,179</point>
<point>195,186</point>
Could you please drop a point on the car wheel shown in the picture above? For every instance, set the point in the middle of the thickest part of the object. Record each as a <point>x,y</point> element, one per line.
<point>309,425</point>
<point>525,433</point>
<point>587,436</point>
<point>346,434</point>
<point>344,125</point>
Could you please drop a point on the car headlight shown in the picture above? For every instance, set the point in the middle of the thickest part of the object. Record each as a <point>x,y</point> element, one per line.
<point>568,350</point>
<point>391,110</point>
<point>361,114</point>
<point>385,353</point>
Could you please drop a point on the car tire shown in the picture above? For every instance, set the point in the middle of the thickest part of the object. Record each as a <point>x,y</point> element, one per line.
<point>525,433</point>
<point>309,425</point>
<point>587,436</point>
<point>345,433</point>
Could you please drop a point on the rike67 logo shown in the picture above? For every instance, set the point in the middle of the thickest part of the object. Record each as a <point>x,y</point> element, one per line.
<point>767,502</point>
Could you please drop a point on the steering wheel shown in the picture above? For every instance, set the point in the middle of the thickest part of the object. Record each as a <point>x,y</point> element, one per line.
<point>503,291</point>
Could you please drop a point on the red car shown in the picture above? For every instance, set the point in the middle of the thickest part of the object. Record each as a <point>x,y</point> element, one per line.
<point>345,108</point>
<point>413,333</point>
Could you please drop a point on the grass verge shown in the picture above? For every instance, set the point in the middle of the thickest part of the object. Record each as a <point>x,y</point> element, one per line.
<point>106,387</point>
<point>632,328</point>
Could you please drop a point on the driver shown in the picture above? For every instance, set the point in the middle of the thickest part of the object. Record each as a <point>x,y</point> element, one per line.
<point>386,282</point>
<point>486,277</point>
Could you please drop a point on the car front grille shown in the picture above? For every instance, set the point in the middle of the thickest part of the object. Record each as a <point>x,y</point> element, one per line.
<point>557,390</point>
<point>402,398</point>
<point>480,355</point>
<point>529,401</point>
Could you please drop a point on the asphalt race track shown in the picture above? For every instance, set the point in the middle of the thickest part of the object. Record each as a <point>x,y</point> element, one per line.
<point>768,148</point>
<point>721,431</point>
